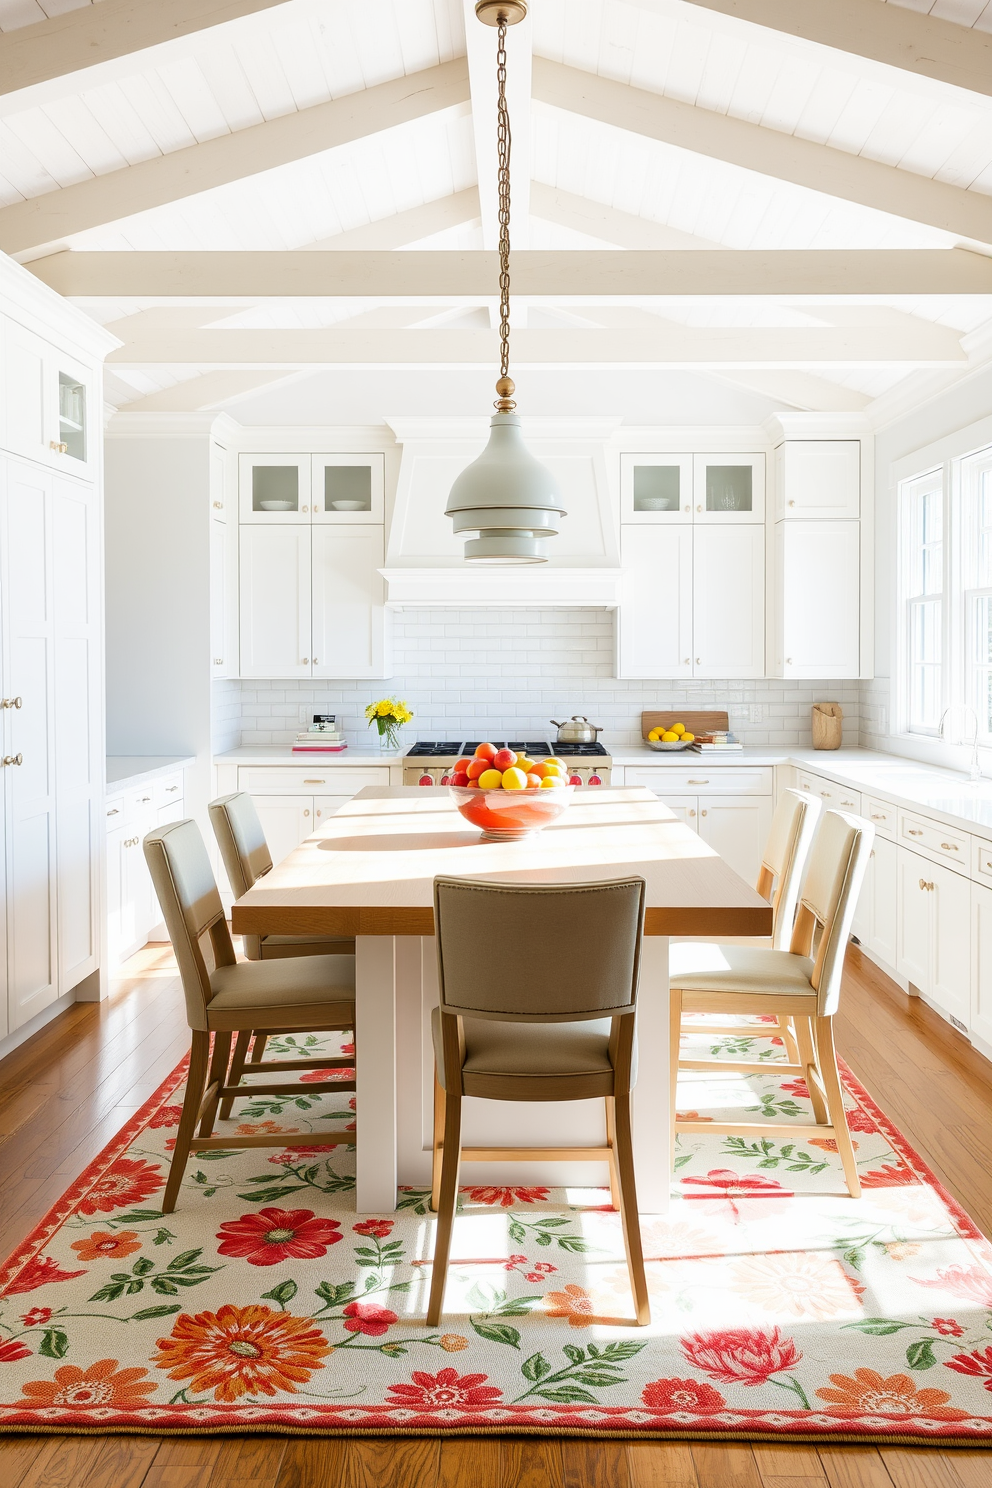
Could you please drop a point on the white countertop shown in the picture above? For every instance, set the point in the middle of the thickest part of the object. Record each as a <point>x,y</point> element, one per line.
<point>945,794</point>
<point>125,771</point>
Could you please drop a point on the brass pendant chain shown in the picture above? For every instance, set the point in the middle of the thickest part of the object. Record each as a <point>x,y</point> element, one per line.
<point>504,386</point>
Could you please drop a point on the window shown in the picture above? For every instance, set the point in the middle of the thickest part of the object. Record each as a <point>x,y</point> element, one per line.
<point>976,505</point>
<point>923,519</point>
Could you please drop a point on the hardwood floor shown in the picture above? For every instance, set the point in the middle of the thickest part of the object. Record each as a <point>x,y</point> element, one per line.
<point>66,1092</point>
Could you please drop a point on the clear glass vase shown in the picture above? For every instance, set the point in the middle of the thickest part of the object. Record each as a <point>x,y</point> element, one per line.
<point>388,735</point>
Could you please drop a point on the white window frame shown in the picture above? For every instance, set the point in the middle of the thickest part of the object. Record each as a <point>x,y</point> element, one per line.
<point>971,472</point>
<point>913,597</point>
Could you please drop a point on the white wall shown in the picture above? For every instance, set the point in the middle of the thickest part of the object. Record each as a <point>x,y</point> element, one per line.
<point>499,672</point>
<point>158,607</point>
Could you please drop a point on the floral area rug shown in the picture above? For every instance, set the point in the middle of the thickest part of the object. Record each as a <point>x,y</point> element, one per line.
<point>780,1307</point>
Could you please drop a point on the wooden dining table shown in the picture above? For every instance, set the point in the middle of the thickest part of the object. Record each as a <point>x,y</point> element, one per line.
<point>369,872</point>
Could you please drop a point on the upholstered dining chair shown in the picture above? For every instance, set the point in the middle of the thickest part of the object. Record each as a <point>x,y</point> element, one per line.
<point>538,987</point>
<point>246,858</point>
<point>315,993</point>
<point>783,863</point>
<point>802,983</point>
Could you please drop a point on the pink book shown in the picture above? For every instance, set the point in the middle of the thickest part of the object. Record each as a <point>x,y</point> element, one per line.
<point>318,748</point>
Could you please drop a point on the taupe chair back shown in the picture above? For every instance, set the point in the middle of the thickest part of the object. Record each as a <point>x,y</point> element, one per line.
<point>783,861</point>
<point>243,849</point>
<point>828,899</point>
<point>538,953</point>
<point>187,894</point>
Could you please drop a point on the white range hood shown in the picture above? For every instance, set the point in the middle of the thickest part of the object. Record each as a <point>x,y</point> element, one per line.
<point>425,562</point>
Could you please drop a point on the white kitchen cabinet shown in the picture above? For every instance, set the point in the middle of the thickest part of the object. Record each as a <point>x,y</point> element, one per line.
<point>728,602</point>
<point>934,933</point>
<point>981,962</point>
<point>816,600</point>
<point>347,488</point>
<point>275,601</point>
<point>656,489</point>
<point>349,617</point>
<point>286,821</point>
<point>223,576</point>
<point>327,806</point>
<point>274,489</point>
<point>654,626</point>
<point>818,478</point>
<point>133,913</point>
<point>48,397</point>
<point>728,489</point>
<point>876,916</point>
<point>737,828</point>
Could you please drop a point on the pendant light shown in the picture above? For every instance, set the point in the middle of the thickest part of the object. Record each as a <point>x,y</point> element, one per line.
<point>506,496</point>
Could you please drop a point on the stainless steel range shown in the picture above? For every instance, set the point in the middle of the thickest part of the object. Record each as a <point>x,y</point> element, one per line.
<point>431,762</point>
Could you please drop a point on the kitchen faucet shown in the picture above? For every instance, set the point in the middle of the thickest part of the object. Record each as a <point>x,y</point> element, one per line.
<point>974,772</point>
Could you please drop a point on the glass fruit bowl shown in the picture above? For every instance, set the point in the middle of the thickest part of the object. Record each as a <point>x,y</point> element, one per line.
<point>508,815</point>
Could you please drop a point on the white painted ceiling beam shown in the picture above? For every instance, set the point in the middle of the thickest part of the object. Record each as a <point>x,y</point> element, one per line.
<point>231,157</point>
<point>81,39</point>
<point>920,344</point>
<point>410,226</point>
<point>802,389</point>
<point>598,220</point>
<point>890,34</point>
<point>770,152</point>
<point>454,274</point>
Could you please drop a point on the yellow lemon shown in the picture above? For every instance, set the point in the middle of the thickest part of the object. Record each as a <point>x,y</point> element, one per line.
<point>552,782</point>
<point>514,779</point>
<point>687,738</point>
<point>669,738</point>
<point>678,728</point>
<point>490,779</point>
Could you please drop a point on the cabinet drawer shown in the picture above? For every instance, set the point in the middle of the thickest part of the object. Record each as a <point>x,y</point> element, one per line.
<point>682,781</point>
<point>939,842</point>
<point>883,817</point>
<point>312,780</point>
<point>114,808</point>
<point>139,804</point>
<point>834,797</point>
<point>169,789</point>
<point>981,860</point>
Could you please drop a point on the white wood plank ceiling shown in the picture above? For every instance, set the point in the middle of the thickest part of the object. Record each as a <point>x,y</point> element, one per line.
<point>652,125</point>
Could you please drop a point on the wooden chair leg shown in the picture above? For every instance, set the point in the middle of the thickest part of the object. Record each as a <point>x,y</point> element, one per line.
<point>628,1209</point>
<point>258,1047</point>
<point>674,1043</point>
<point>217,1076</point>
<point>835,1103</point>
<point>196,1082</point>
<point>807,1057</point>
<point>438,1143</point>
<point>611,1137</point>
<point>447,1200</point>
<point>789,1038</point>
<point>237,1070</point>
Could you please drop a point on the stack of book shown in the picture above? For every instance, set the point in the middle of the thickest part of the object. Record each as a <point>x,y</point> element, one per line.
<point>708,743</point>
<point>322,737</point>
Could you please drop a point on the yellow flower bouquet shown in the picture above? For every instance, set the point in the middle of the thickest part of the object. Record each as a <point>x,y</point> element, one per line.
<point>389,715</point>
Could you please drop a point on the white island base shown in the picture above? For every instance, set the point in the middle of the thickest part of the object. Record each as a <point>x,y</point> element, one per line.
<point>396,988</point>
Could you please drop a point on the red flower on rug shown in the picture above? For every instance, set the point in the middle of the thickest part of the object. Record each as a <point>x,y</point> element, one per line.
<point>743,1356</point>
<point>797,1087</point>
<point>379,1228</point>
<point>242,1351</point>
<point>368,1318</point>
<point>978,1362</point>
<point>887,1176</point>
<point>127,1181</point>
<point>348,1048</point>
<point>37,1317</point>
<point>312,1076</point>
<point>101,1384</point>
<point>102,1245</point>
<point>947,1327</point>
<point>667,1395</point>
<point>573,1303</point>
<point>858,1120</point>
<point>726,1184</point>
<point>293,1154</point>
<point>446,1388</point>
<point>38,1273</point>
<point>13,1350</point>
<point>507,1197</point>
<point>273,1235</point>
<point>869,1394</point>
<point>969,1282</point>
<point>165,1116</point>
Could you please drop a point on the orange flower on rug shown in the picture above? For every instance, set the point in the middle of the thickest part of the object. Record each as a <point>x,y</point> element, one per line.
<point>780,1307</point>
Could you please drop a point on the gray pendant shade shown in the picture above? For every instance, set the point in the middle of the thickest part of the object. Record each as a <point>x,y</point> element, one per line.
<point>508,497</point>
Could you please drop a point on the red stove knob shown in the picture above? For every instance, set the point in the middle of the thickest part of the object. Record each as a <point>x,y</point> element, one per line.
<point>445,780</point>
<point>426,780</point>
<point>575,779</point>
<point>595,780</point>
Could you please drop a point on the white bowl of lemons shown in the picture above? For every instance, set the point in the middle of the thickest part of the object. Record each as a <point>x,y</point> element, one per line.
<point>674,737</point>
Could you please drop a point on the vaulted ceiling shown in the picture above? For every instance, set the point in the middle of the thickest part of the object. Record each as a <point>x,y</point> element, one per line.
<point>788,196</point>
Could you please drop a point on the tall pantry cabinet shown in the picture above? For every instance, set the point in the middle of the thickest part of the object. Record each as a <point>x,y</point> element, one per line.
<point>51,649</point>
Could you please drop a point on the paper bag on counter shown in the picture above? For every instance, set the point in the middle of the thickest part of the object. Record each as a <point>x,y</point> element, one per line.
<point>828,725</point>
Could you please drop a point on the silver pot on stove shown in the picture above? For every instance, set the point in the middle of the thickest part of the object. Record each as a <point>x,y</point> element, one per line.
<point>578,730</point>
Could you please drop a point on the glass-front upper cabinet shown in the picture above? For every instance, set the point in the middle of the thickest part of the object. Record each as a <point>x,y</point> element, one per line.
<point>49,409</point>
<point>656,488</point>
<point>728,488</point>
<point>274,487</point>
<point>347,488</point>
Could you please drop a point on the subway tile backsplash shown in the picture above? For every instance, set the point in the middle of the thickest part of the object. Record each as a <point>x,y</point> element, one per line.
<point>493,672</point>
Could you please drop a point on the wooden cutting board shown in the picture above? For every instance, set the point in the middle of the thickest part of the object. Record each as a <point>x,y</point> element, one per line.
<point>695,723</point>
